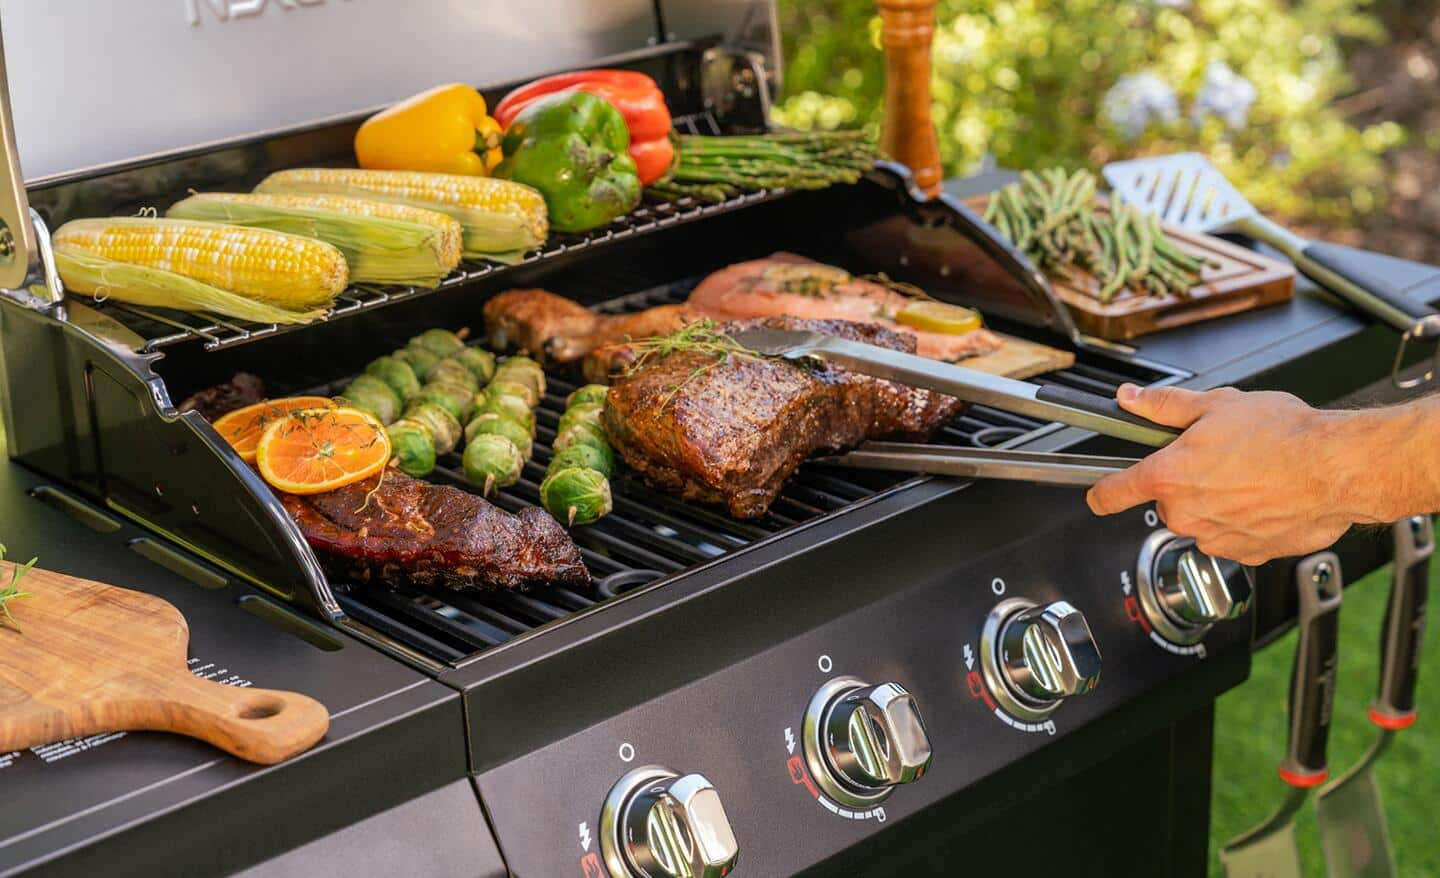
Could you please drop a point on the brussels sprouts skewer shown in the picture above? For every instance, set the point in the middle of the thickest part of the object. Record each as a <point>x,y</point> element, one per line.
<point>576,488</point>
<point>501,427</point>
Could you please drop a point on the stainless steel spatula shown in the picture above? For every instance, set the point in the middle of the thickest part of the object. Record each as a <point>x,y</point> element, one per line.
<point>1269,850</point>
<point>1351,813</point>
<point>1187,191</point>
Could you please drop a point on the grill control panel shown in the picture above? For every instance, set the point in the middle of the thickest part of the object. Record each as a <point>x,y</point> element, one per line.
<point>950,659</point>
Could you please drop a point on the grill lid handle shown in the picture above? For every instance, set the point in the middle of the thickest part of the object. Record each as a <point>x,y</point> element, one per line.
<point>17,234</point>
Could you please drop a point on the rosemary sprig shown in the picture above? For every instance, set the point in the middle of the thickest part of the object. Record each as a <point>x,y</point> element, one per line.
<point>12,591</point>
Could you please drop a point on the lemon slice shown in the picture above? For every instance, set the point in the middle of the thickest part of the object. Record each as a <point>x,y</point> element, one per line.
<point>940,317</point>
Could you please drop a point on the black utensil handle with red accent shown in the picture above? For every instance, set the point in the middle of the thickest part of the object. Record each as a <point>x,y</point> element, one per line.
<point>1404,629</point>
<point>1312,679</point>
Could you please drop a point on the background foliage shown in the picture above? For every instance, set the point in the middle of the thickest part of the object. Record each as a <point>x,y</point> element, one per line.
<point>1025,81</point>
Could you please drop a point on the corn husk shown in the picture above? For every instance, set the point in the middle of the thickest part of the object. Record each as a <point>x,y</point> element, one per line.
<point>292,272</point>
<point>502,219</point>
<point>104,278</point>
<point>379,249</point>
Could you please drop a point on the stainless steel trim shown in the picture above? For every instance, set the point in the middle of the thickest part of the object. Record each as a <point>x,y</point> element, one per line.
<point>1015,703</point>
<point>982,463</point>
<point>49,271</point>
<point>1413,334</point>
<point>812,730</point>
<point>17,236</point>
<point>1145,591</point>
<point>612,814</point>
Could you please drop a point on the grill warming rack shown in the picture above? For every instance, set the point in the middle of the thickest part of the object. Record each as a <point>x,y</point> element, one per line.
<point>650,535</point>
<point>162,328</point>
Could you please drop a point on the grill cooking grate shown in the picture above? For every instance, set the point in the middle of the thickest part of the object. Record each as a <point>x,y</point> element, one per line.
<point>651,535</point>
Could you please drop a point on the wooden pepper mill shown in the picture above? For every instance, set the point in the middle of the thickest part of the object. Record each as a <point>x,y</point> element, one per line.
<point>908,135</point>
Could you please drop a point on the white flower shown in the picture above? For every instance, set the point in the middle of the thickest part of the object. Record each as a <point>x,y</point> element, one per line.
<point>1138,99</point>
<point>1225,93</point>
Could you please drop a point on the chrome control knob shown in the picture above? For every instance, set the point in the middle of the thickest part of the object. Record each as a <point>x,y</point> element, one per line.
<point>875,738</point>
<point>660,824</point>
<point>1184,591</point>
<point>861,741</point>
<point>1048,653</point>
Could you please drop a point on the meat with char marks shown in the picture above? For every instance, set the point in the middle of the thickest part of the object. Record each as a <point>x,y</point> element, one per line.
<point>731,430</point>
<point>406,530</point>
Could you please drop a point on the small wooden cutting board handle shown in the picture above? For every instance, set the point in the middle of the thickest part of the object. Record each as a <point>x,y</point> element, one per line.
<point>260,725</point>
<point>908,135</point>
<point>91,658</point>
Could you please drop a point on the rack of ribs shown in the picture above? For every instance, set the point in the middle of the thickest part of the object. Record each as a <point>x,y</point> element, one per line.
<point>395,529</point>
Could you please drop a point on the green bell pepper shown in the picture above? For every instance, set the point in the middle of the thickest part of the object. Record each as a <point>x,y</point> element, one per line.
<point>574,148</point>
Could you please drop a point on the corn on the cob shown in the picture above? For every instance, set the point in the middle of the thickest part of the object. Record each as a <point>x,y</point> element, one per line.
<point>84,272</point>
<point>289,271</point>
<point>502,219</point>
<point>383,242</point>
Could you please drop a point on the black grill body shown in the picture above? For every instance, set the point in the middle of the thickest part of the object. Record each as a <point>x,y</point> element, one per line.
<point>703,637</point>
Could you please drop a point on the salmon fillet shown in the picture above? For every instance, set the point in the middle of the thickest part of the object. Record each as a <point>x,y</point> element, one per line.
<point>791,285</point>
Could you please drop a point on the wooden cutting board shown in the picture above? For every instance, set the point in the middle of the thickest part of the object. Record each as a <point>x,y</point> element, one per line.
<point>93,658</point>
<point>1020,358</point>
<point>1238,280</point>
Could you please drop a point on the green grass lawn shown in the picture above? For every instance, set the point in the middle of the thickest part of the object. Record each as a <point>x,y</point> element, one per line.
<point>1250,734</point>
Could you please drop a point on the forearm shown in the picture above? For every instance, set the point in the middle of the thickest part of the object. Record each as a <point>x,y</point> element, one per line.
<point>1256,476</point>
<point>1385,462</point>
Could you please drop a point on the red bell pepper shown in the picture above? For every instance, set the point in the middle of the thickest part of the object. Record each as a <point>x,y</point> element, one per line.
<point>634,94</point>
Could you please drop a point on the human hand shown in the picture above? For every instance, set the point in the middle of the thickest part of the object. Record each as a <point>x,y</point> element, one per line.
<point>1255,476</point>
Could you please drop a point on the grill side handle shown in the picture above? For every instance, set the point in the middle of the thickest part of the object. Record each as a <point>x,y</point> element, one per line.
<point>17,235</point>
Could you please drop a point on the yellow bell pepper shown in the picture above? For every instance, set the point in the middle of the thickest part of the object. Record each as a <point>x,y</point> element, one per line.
<point>445,130</point>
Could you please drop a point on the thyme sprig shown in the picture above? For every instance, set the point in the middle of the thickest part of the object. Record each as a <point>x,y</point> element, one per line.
<point>12,591</point>
<point>702,336</point>
<point>699,336</point>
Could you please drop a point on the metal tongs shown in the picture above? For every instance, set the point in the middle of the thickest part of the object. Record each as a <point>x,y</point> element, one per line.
<point>982,463</point>
<point>1052,402</point>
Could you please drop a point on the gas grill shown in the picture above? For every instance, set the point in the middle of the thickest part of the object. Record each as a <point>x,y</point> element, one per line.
<point>708,651</point>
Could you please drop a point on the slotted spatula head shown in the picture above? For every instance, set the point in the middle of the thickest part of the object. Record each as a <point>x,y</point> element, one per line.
<point>1353,827</point>
<point>1184,189</point>
<point>1268,850</point>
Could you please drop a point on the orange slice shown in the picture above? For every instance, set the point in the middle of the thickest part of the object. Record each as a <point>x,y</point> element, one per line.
<point>242,428</point>
<point>312,451</point>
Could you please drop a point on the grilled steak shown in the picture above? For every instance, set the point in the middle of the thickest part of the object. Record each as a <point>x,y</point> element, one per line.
<point>555,329</point>
<point>412,531</point>
<point>731,430</point>
<point>799,287</point>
